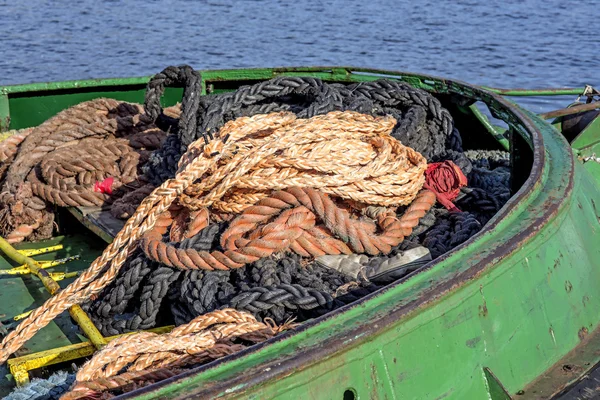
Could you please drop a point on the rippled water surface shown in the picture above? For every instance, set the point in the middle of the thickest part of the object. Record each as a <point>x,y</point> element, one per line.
<point>529,43</point>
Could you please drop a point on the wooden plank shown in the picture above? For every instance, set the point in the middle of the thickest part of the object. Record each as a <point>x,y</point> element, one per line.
<point>99,221</point>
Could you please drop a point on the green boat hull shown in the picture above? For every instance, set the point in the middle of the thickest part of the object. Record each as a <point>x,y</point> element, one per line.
<point>495,318</point>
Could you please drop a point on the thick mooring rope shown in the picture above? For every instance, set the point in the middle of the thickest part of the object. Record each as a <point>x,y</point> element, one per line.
<point>127,381</point>
<point>86,155</point>
<point>286,220</point>
<point>236,190</point>
<point>422,123</point>
<point>285,132</point>
<point>197,292</point>
<point>209,336</point>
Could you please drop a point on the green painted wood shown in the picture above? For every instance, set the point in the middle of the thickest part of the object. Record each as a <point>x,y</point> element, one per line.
<point>4,113</point>
<point>589,139</point>
<point>498,133</point>
<point>538,92</point>
<point>587,147</point>
<point>31,109</point>
<point>495,389</point>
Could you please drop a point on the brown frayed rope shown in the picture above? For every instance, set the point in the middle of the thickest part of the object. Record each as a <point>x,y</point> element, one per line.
<point>21,232</point>
<point>207,337</point>
<point>124,382</point>
<point>62,161</point>
<point>384,186</point>
<point>10,146</point>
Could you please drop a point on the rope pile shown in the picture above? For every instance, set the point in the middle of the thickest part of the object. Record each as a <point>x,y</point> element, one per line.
<point>279,289</point>
<point>244,191</point>
<point>288,207</point>
<point>86,155</point>
<point>422,123</point>
<point>209,336</point>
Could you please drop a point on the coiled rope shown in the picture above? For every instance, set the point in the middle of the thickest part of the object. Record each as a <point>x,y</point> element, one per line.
<point>422,123</point>
<point>295,211</point>
<point>197,292</point>
<point>62,161</point>
<point>202,159</point>
<point>208,336</point>
<point>335,193</point>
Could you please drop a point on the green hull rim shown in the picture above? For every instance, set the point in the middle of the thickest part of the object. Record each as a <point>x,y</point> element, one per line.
<point>513,301</point>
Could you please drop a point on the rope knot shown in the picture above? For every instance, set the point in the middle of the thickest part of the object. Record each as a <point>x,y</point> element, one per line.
<point>445,179</point>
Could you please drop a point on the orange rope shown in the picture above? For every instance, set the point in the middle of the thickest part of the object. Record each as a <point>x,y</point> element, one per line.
<point>255,234</point>
<point>386,173</point>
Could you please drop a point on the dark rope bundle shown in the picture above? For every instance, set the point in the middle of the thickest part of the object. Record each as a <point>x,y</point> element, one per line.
<point>281,286</point>
<point>481,203</point>
<point>269,288</point>
<point>87,155</point>
<point>450,231</point>
<point>488,159</point>
<point>210,114</point>
<point>423,124</point>
<point>118,309</point>
<point>51,388</point>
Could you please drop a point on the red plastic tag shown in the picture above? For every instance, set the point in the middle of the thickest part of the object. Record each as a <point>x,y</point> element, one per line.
<point>105,186</point>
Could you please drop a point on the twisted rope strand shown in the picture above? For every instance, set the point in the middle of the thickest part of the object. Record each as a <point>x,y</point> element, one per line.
<point>142,350</point>
<point>109,263</point>
<point>199,160</point>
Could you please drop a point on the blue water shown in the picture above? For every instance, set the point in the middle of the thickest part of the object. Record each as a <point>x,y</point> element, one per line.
<point>529,43</point>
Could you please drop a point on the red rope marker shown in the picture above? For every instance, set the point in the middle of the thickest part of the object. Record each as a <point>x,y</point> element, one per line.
<point>105,186</point>
<point>445,179</point>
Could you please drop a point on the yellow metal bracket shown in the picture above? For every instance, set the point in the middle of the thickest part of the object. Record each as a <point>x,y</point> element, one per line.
<point>42,250</point>
<point>20,366</point>
<point>30,266</point>
<point>26,269</point>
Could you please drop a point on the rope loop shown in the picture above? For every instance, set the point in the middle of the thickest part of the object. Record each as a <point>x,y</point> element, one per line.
<point>191,81</point>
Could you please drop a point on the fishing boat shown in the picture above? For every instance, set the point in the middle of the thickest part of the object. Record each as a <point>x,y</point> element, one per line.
<point>510,313</point>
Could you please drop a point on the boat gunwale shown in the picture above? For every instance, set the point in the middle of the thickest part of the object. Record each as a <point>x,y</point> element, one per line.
<point>280,366</point>
<point>142,80</point>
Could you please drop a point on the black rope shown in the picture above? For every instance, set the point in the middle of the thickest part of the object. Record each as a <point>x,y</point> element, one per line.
<point>450,231</point>
<point>423,123</point>
<point>306,97</point>
<point>489,159</point>
<point>51,388</point>
<point>204,291</point>
<point>482,203</point>
<point>191,82</point>
<point>495,181</point>
<point>284,286</point>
